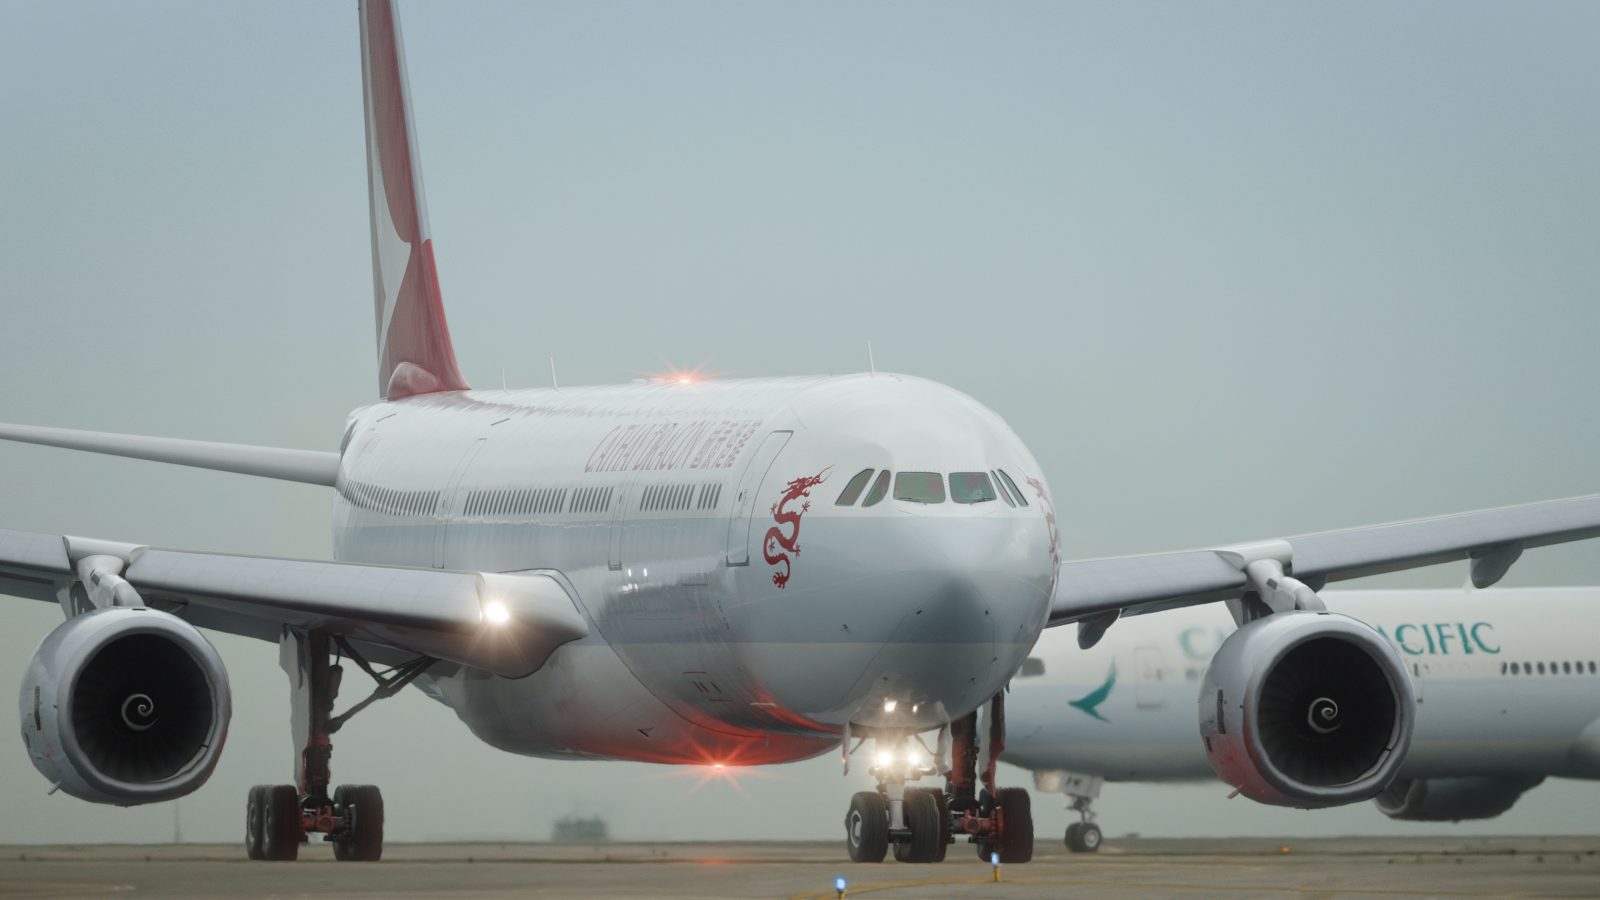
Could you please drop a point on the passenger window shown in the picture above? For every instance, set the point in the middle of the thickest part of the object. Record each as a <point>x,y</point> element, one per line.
<point>1541,668</point>
<point>919,487</point>
<point>1516,669</point>
<point>1591,667</point>
<point>1566,668</point>
<point>880,489</point>
<point>970,487</point>
<point>1006,479</point>
<point>852,491</point>
<point>1004,494</point>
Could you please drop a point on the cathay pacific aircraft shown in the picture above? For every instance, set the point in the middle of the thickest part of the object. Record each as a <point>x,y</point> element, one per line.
<point>685,572</point>
<point>1506,693</point>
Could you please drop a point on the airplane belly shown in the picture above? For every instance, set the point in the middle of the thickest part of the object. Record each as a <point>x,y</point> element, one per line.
<point>585,704</point>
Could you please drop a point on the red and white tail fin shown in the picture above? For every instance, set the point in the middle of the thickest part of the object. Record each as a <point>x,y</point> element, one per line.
<point>414,352</point>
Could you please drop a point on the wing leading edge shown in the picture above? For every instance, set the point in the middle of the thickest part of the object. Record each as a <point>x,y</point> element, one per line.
<point>506,624</point>
<point>1097,590</point>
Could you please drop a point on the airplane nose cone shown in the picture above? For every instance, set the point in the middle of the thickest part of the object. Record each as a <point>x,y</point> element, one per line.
<point>946,611</point>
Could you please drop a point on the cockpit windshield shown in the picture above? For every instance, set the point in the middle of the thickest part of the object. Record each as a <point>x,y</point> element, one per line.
<point>852,491</point>
<point>971,487</point>
<point>919,487</point>
<point>930,487</point>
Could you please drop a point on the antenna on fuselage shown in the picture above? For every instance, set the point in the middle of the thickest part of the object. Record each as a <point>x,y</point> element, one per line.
<point>872,365</point>
<point>553,385</point>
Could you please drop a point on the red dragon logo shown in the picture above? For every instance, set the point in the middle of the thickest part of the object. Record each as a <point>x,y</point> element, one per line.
<point>776,543</point>
<point>1049,520</point>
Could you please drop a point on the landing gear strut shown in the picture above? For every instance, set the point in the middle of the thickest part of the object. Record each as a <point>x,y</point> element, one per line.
<point>281,817</point>
<point>1083,836</point>
<point>921,823</point>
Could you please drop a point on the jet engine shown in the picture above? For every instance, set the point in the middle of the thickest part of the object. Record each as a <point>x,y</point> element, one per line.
<point>1306,709</point>
<point>125,705</point>
<point>1452,799</point>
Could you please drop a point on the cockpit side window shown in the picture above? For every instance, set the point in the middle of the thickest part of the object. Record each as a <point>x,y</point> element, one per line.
<point>852,491</point>
<point>1004,494</point>
<point>919,487</point>
<point>1006,480</point>
<point>880,489</point>
<point>971,487</point>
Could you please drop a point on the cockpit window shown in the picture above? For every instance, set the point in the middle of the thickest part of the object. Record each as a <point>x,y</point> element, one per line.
<point>1013,486</point>
<point>971,487</point>
<point>880,489</point>
<point>852,491</point>
<point>1004,494</point>
<point>919,487</point>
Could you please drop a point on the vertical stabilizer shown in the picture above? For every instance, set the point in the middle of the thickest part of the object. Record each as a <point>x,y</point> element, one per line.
<point>414,352</point>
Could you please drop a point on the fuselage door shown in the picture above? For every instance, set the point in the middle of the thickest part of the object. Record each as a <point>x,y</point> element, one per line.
<point>619,521</point>
<point>744,498</point>
<point>1149,677</point>
<point>450,505</point>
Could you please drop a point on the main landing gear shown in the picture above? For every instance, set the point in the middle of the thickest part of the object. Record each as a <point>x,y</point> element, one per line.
<point>921,823</point>
<point>281,817</point>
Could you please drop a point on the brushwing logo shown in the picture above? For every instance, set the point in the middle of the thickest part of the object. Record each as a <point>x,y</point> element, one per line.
<point>776,546</point>
<point>1090,702</point>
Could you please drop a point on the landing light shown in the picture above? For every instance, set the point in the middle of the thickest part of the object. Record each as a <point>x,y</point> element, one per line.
<point>885,758</point>
<point>495,612</point>
<point>889,705</point>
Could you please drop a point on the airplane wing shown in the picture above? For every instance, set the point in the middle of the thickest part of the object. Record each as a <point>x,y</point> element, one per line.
<point>508,624</point>
<point>1098,590</point>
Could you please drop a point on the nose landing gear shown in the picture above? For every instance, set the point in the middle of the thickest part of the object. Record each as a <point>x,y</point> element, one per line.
<point>998,820</point>
<point>921,823</point>
<point>1083,836</point>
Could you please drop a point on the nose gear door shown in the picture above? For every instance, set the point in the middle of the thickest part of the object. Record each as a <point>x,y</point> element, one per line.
<point>744,498</point>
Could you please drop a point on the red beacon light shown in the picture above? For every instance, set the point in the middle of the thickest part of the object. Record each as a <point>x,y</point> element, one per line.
<point>676,375</point>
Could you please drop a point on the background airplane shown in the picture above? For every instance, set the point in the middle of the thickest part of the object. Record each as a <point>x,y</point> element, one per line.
<point>87,490</point>
<point>1506,686</point>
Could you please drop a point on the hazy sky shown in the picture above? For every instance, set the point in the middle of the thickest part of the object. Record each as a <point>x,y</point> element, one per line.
<point>1232,270</point>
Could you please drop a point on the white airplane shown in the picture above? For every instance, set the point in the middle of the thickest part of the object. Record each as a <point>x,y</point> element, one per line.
<point>617,573</point>
<point>1507,694</point>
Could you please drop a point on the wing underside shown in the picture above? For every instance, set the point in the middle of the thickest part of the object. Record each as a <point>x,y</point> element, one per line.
<point>1101,589</point>
<point>503,623</point>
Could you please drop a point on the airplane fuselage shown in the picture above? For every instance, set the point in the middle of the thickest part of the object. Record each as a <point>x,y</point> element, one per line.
<point>738,614</point>
<point>1507,683</point>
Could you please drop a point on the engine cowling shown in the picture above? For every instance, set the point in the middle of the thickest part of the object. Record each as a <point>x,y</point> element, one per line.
<point>1306,709</point>
<point>1452,799</point>
<point>125,705</point>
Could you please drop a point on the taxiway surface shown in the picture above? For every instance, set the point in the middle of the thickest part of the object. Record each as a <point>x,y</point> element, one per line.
<point>1229,867</point>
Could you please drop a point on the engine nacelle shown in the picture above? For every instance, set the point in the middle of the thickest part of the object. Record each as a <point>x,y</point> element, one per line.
<point>125,705</point>
<point>1306,709</point>
<point>1452,799</point>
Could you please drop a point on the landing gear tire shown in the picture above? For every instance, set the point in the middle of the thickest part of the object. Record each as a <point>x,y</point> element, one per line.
<point>1083,837</point>
<point>360,806</point>
<point>1016,838</point>
<point>866,827</point>
<point>280,822</point>
<point>930,831</point>
<point>255,822</point>
<point>942,802</point>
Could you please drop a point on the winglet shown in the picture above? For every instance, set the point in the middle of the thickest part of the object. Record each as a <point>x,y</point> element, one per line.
<point>414,351</point>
